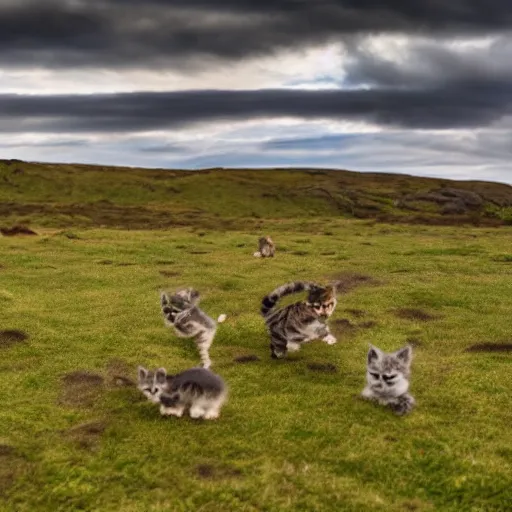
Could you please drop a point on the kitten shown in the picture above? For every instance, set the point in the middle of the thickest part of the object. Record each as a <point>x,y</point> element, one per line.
<point>299,322</point>
<point>387,379</point>
<point>181,311</point>
<point>145,384</point>
<point>267,248</point>
<point>200,390</point>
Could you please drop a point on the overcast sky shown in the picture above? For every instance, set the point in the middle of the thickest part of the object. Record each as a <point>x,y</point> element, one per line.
<point>421,87</point>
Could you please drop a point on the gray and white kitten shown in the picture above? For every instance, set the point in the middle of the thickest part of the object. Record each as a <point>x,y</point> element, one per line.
<point>387,377</point>
<point>199,390</point>
<point>181,311</point>
<point>298,323</point>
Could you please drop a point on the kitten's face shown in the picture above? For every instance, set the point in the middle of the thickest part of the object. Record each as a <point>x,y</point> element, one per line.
<point>179,301</point>
<point>322,301</point>
<point>146,384</point>
<point>388,374</point>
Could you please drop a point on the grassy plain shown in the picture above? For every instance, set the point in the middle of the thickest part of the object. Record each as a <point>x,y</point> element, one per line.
<point>75,435</point>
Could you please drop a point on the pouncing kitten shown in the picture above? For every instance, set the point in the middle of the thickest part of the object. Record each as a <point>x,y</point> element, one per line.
<point>181,311</point>
<point>387,377</point>
<point>299,322</point>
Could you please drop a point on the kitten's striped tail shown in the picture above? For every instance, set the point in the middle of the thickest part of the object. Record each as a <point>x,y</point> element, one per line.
<point>268,302</point>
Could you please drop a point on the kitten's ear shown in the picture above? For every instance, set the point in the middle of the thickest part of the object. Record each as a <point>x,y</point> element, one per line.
<point>143,373</point>
<point>164,299</point>
<point>405,354</point>
<point>194,294</point>
<point>374,354</point>
<point>160,376</point>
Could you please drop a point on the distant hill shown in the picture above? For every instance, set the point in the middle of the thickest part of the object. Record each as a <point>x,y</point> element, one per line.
<point>63,195</point>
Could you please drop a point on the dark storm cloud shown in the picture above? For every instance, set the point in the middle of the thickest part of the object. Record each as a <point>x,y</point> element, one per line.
<point>467,104</point>
<point>148,33</point>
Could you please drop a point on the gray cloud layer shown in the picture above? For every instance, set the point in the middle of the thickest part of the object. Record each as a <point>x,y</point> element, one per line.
<point>452,105</point>
<point>147,33</point>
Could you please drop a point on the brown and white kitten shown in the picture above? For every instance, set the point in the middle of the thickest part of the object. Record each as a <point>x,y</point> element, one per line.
<point>299,322</point>
<point>181,311</point>
<point>267,248</point>
<point>387,377</point>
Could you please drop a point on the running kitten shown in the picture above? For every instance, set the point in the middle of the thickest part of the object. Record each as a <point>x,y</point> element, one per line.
<point>299,322</point>
<point>387,379</point>
<point>181,311</point>
<point>200,390</point>
<point>267,248</point>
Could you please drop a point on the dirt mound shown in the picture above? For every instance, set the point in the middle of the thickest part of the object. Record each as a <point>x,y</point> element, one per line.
<point>358,313</point>
<point>490,347</point>
<point>344,326</point>
<point>347,281</point>
<point>10,337</point>
<point>211,472</point>
<point>323,367</point>
<point>246,359</point>
<point>17,230</point>
<point>414,314</point>
<point>86,435</point>
<point>80,388</point>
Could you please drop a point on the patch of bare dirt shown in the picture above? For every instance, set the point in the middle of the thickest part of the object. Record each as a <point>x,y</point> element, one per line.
<point>17,230</point>
<point>198,252</point>
<point>323,367</point>
<point>86,435</point>
<point>80,388</point>
<point>300,253</point>
<point>211,472</point>
<point>328,253</point>
<point>490,347</point>
<point>119,372</point>
<point>347,281</point>
<point>368,324</point>
<point>10,337</point>
<point>246,359</point>
<point>358,313</point>
<point>344,326</point>
<point>12,466</point>
<point>414,342</point>
<point>415,314</point>
<point>169,273</point>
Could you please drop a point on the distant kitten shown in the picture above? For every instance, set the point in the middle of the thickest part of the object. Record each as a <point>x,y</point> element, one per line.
<point>388,379</point>
<point>181,311</point>
<point>299,322</point>
<point>200,390</point>
<point>267,248</point>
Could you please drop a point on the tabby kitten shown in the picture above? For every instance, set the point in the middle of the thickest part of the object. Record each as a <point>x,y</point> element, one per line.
<point>387,379</point>
<point>199,390</point>
<point>299,322</point>
<point>267,248</point>
<point>181,311</point>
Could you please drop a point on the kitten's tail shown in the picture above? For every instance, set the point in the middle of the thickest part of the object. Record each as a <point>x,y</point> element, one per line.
<point>221,318</point>
<point>268,302</point>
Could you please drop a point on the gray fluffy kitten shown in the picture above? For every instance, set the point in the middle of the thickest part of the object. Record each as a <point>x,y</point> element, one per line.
<point>387,377</point>
<point>199,390</point>
<point>181,311</point>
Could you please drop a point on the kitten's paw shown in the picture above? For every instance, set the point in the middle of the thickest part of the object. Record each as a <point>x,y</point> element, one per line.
<point>330,339</point>
<point>221,318</point>
<point>207,365</point>
<point>171,411</point>
<point>211,415</point>
<point>196,413</point>
<point>257,254</point>
<point>292,346</point>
